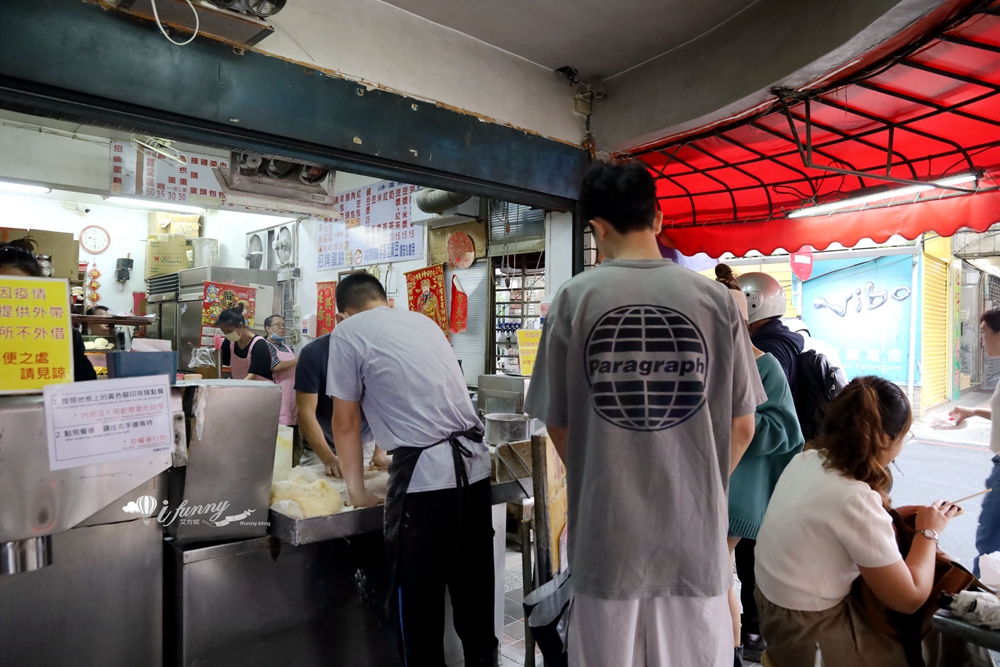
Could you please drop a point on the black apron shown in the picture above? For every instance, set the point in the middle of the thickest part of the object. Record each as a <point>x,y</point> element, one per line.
<point>404,462</point>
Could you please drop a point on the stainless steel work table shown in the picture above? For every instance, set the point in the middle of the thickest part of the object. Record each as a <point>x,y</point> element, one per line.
<point>368,520</point>
<point>311,593</point>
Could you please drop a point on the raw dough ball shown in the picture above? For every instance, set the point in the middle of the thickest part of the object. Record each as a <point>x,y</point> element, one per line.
<point>314,499</point>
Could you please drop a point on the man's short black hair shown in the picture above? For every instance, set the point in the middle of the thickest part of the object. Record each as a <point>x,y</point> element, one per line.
<point>357,290</point>
<point>624,194</point>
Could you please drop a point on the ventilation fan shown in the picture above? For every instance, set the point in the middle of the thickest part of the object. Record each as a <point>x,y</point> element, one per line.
<point>285,245</point>
<point>278,178</point>
<point>259,8</point>
<point>254,253</point>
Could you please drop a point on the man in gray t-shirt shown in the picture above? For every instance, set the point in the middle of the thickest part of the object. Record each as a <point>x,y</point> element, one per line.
<point>646,381</point>
<point>399,367</point>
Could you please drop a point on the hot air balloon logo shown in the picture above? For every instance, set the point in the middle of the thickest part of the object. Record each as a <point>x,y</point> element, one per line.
<point>144,505</point>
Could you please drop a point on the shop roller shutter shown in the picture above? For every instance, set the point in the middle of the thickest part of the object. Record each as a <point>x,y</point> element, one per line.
<point>934,334</point>
<point>515,229</point>
<point>470,345</point>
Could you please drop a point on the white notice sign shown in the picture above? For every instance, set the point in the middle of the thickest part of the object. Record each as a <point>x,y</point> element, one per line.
<point>110,420</point>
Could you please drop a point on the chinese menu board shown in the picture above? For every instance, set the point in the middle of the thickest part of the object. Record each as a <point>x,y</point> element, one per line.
<point>375,227</point>
<point>326,307</point>
<point>150,176</point>
<point>121,419</point>
<point>219,297</point>
<point>425,291</point>
<point>36,337</point>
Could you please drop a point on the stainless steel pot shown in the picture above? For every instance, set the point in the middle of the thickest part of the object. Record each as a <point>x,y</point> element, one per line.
<point>504,427</point>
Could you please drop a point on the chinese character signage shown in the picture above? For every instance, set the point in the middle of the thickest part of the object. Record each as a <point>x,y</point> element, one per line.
<point>527,349</point>
<point>459,307</point>
<point>144,174</point>
<point>375,227</point>
<point>120,419</point>
<point>36,341</point>
<point>326,307</point>
<point>863,310</point>
<point>123,167</point>
<point>425,291</point>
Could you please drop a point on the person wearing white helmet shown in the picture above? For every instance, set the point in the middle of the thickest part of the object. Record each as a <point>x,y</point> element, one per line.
<point>766,306</point>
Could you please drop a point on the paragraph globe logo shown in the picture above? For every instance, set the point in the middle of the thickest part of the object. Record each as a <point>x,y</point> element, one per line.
<point>646,366</point>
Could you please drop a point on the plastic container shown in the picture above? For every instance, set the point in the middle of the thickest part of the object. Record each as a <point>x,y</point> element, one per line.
<point>139,364</point>
<point>206,252</point>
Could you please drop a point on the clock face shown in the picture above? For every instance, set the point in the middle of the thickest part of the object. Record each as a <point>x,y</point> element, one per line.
<point>94,239</point>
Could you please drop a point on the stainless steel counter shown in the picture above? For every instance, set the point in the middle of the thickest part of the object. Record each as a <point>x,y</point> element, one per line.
<point>358,522</point>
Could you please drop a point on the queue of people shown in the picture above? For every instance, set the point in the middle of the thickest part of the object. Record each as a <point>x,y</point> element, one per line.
<point>672,408</point>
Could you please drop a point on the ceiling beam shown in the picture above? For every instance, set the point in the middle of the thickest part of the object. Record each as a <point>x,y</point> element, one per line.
<point>75,61</point>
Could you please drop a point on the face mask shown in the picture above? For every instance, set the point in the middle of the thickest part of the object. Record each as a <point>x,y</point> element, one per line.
<point>233,336</point>
<point>280,340</point>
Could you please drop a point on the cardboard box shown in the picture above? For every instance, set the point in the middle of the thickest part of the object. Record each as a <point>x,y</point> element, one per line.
<point>174,223</point>
<point>166,253</point>
<point>61,246</point>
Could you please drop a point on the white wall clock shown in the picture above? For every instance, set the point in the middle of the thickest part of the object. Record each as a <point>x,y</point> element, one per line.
<point>94,239</point>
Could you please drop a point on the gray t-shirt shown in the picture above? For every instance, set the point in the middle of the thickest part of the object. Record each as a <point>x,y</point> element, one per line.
<point>646,363</point>
<point>401,368</point>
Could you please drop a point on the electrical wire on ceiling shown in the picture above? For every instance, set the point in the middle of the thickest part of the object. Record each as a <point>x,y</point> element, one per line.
<point>197,24</point>
<point>161,148</point>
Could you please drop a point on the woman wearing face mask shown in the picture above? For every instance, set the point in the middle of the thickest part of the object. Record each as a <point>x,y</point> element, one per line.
<point>283,362</point>
<point>247,354</point>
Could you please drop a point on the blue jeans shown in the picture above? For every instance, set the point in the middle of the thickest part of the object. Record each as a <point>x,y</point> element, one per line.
<point>988,532</point>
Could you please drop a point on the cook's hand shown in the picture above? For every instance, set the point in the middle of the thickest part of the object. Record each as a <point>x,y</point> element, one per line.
<point>961,414</point>
<point>364,498</point>
<point>907,510</point>
<point>380,459</point>
<point>937,516</point>
<point>333,468</point>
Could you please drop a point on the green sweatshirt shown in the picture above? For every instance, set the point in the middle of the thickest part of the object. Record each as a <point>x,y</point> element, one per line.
<point>776,439</point>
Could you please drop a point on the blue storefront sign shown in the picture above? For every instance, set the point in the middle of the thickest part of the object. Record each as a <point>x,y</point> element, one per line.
<point>863,310</point>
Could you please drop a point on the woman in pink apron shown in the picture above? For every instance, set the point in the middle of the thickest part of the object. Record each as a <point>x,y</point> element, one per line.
<point>248,356</point>
<point>283,368</point>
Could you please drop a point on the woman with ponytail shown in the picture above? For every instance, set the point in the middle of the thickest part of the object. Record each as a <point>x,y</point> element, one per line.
<point>827,523</point>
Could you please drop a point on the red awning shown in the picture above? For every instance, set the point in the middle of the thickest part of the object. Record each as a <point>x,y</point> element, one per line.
<point>928,111</point>
<point>944,216</point>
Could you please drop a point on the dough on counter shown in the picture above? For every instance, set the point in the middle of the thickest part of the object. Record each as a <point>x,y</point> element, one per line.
<point>316,498</point>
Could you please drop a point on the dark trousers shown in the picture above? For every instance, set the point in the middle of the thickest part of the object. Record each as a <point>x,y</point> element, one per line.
<point>429,560</point>
<point>988,532</point>
<point>744,570</point>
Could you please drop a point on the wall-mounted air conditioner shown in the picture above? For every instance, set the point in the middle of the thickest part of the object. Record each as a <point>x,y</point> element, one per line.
<point>467,211</point>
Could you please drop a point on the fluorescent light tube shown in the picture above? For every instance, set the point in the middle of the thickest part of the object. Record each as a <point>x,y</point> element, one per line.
<point>155,205</point>
<point>22,189</point>
<point>880,196</point>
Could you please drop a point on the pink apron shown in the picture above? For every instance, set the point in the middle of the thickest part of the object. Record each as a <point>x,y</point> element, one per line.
<point>286,380</point>
<point>238,366</point>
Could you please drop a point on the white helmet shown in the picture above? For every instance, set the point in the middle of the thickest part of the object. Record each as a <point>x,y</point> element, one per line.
<point>765,296</point>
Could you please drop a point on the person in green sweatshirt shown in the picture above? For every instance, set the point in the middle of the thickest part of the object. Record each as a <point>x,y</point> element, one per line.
<point>776,440</point>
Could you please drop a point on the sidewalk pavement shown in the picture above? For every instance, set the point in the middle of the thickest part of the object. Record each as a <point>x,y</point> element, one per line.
<point>975,431</point>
